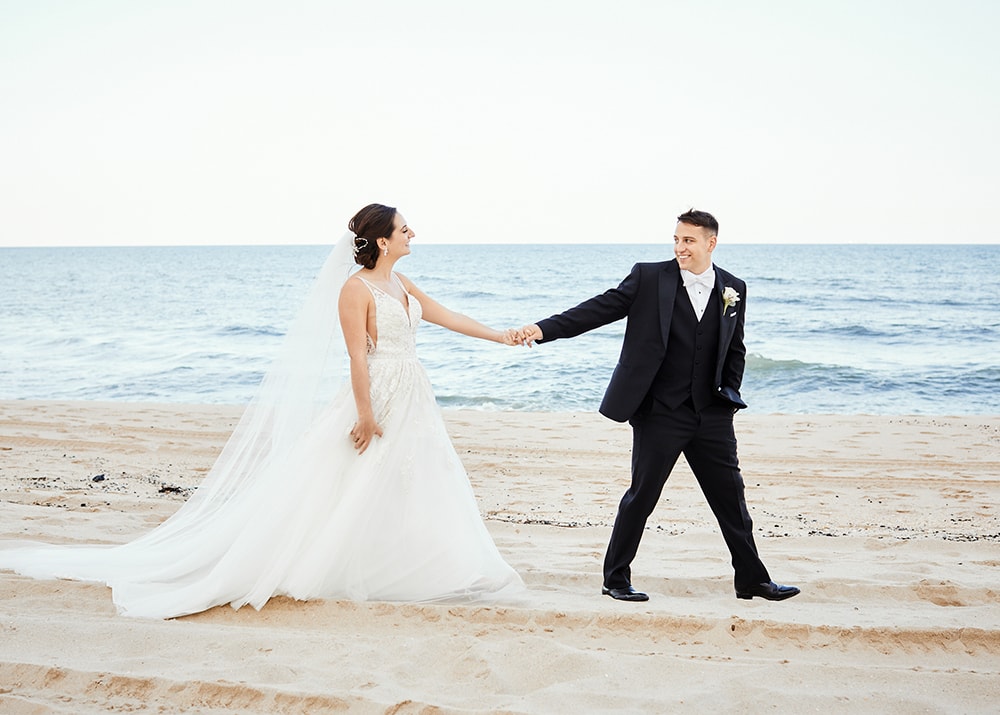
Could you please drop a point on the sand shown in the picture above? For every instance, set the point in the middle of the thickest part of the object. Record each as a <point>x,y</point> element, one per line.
<point>890,525</point>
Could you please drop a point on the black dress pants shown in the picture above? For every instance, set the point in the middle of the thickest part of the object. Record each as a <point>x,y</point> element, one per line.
<point>707,440</point>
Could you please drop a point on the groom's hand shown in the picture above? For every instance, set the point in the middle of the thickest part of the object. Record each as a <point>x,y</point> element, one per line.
<point>531,333</point>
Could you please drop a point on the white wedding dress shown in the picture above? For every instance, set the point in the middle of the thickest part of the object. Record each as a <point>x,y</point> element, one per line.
<point>313,519</point>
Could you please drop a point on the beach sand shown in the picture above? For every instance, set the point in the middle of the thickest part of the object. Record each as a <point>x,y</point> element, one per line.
<point>890,525</point>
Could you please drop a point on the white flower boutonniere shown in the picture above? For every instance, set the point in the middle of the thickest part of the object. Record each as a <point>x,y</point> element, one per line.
<point>729,298</point>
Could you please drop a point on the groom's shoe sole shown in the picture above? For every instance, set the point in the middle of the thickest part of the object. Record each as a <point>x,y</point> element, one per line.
<point>625,594</point>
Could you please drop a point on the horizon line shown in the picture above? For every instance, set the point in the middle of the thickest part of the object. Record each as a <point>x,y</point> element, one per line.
<point>491,243</point>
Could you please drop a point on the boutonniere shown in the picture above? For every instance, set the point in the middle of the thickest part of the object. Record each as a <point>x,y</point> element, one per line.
<point>729,298</point>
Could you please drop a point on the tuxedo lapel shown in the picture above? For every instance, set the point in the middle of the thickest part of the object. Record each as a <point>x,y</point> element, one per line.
<point>727,325</point>
<point>669,280</point>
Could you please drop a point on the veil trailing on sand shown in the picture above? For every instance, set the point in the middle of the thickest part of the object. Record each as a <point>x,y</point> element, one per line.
<point>300,382</point>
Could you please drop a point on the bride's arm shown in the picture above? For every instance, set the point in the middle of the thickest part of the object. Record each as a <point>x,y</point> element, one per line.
<point>354,305</point>
<point>436,313</point>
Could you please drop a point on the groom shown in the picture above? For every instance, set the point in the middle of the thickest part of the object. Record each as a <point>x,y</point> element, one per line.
<point>678,384</point>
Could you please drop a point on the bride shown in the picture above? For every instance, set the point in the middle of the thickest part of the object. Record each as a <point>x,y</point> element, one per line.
<point>324,489</point>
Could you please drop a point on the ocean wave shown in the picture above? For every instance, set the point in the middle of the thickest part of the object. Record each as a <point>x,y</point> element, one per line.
<point>251,331</point>
<point>855,330</point>
<point>795,386</point>
<point>472,295</point>
<point>41,341</point>
<point>476,402</point>
<point>542,401</point>
<point>758,364</point>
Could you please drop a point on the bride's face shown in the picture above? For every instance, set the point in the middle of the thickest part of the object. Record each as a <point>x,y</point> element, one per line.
<point>399,241</point>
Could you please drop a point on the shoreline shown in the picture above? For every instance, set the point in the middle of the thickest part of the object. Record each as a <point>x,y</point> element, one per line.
<point>889,525</point>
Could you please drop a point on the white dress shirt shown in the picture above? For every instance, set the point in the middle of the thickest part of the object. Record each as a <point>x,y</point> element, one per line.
<point>699,288</point>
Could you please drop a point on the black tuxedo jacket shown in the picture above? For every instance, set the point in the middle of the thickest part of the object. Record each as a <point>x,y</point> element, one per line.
<point>646,297</point>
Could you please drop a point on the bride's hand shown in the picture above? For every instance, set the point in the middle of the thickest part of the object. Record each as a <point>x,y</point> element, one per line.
<point>512,337</point>
<point>362,433</point>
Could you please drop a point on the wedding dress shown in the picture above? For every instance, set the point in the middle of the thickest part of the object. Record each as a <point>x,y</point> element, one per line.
<point>290,508</point>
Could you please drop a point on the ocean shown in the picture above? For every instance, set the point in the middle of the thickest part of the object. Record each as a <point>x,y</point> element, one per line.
<point>844,329</point>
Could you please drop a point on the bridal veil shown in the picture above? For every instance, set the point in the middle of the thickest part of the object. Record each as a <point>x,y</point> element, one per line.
<point>185,547</point>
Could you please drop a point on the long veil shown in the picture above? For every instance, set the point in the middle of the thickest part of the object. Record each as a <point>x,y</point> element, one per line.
<point>299,383</point>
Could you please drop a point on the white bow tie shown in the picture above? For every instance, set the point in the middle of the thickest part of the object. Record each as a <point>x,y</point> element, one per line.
<point>706,279</point>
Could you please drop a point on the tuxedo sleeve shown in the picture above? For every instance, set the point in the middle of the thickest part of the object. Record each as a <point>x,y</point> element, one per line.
<point>600,310</point>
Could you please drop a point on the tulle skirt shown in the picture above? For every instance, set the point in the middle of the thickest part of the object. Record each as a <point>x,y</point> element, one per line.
<point>397,523</point>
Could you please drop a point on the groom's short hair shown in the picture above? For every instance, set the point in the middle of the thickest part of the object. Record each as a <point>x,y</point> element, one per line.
<point>700,218</point>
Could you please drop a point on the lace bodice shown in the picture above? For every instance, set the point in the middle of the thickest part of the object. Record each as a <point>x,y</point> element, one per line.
<point>397,328</point>
<point>393,368</point>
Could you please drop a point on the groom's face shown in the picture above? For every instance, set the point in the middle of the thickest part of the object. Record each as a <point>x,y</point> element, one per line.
<point>693,246</point>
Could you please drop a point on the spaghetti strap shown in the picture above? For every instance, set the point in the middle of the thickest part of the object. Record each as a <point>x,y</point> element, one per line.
<point>375,291</point>
<point>371,288</point>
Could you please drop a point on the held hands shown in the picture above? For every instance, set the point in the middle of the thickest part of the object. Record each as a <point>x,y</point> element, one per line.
<point>362,433</point>
<point>530,334</point>
<point>511,337</point>
<point>524,336</point>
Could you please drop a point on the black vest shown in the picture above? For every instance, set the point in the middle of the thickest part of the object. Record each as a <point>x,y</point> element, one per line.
<point>688,370</point>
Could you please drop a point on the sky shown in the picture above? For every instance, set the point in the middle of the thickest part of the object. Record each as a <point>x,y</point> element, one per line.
<point>140,122</point>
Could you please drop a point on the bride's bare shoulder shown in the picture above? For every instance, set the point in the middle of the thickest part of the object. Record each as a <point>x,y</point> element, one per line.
<point>354,289</point>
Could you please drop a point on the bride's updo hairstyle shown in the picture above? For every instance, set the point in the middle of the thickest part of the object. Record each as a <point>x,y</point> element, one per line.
<point>372,222</point>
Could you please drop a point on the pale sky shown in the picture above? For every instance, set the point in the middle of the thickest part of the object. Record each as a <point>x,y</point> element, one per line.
<point>238,121</point>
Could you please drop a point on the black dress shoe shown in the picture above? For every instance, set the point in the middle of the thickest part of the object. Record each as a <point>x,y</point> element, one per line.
<point>770,590</point>
<point>625,594</point>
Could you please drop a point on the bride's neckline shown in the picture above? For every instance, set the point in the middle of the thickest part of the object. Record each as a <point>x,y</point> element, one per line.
<point>404,301</point>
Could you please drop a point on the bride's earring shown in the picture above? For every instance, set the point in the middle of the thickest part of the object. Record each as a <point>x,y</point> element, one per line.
<point>385,251</point>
